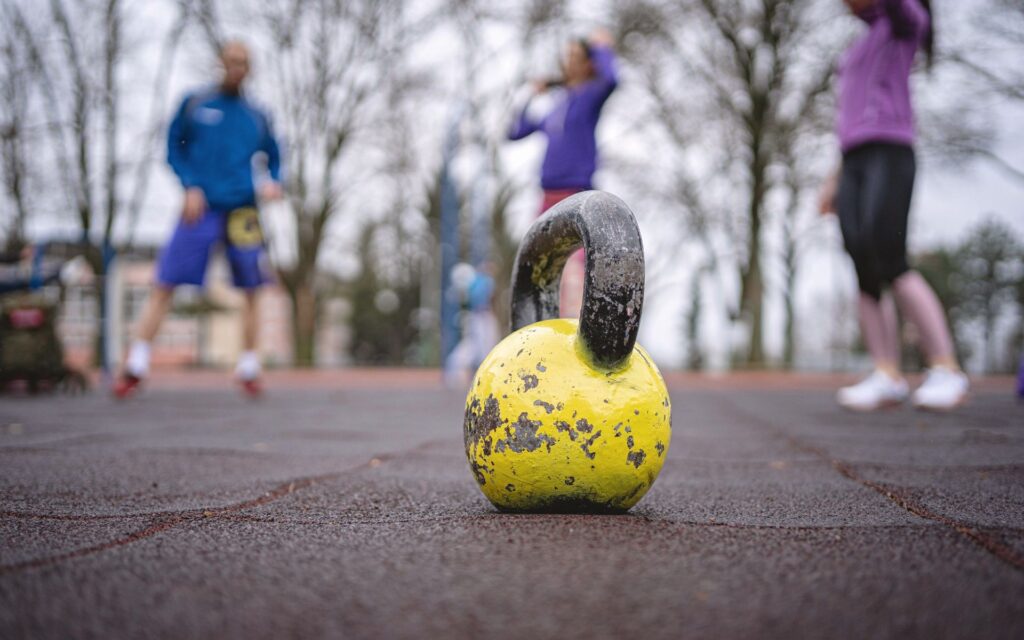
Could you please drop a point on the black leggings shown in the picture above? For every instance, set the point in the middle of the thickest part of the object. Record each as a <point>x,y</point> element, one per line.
<point>873,203</point>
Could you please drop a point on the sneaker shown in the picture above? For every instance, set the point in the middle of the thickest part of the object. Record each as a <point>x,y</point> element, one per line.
<point>943,389</point>
<point>874,392</point>
<point>251,387</point>
<point>126,386</point>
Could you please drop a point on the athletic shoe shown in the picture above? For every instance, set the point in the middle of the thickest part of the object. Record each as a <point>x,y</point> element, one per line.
<point>126,386</point>
<point>874,392</point>
<point>943,389</point>
<point>251,387</point>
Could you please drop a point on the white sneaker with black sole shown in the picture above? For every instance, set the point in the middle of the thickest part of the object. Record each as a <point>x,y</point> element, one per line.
<point>877,391</point>
<point>943,389</point>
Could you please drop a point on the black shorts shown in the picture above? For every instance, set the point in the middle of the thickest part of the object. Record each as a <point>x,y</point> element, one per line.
<point>873,203</point>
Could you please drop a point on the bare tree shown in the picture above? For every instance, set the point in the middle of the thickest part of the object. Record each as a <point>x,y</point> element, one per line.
<point>736,89</point>
<point>73,56</point>
<point>324,81</point>
<point>990,269</point>
<point>534,27</point>
<point>15,136</point>
<point>975,81</point>
<point>81,102</point>
<point>978,54</point>
<point>395,250</point>
<point>152,147</point>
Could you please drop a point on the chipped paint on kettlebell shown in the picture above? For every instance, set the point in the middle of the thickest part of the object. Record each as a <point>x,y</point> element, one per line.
<point>564,426</point>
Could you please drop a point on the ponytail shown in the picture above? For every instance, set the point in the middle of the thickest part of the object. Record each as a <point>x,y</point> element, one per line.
<point>588,49</point>
<point>929,38</point>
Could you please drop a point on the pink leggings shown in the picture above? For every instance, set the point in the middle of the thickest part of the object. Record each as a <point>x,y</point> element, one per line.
<point>918,304</point>
<point>571,288</point>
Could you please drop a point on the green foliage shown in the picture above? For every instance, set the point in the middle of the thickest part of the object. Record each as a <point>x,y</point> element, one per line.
<point>980,281</point>
<point>383,319</point>
<point>503,252</point>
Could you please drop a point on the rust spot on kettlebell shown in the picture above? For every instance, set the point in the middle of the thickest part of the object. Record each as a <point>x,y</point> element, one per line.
<point>636,457</point>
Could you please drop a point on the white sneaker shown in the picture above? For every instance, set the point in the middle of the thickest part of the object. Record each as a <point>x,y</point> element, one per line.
<point>942,390</point>
<point>874,392</point>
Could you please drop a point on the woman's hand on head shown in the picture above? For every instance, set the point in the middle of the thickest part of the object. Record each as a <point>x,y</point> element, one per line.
<point>601,37</point>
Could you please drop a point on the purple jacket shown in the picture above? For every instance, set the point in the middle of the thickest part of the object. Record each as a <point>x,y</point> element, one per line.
<point>874,75</point>
<point>571,157</point>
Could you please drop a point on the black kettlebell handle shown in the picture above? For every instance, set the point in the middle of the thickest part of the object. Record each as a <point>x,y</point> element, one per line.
<point>613,289</point>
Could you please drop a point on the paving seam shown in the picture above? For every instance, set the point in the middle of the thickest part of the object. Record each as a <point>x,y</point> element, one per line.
<point>199,515</point>
<point>45,446</point>
<point>900,499</point>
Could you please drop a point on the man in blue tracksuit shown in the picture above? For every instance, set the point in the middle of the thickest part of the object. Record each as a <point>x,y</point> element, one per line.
<point>211,144</point>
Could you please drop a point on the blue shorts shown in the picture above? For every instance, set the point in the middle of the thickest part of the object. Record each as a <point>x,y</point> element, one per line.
<point>184,259</point>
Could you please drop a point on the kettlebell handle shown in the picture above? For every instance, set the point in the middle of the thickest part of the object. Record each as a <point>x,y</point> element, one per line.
<point>613,289</point>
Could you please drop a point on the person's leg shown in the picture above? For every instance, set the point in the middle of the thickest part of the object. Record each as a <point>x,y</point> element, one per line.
<point>483,331</point>
<point>884,386</point>
<point>247,257</point>
<point>251,320</point>
<point>570,291</point>
<point>945,386</point>
<point>890,196</point>
<point>891,326</point>
<point>153,314</point>
<point>157,306</point>
<point>182,261</point>
<point>850,204</point>
<point>458,364</point>
<point>249,367</point>
<point>877,332</point>
<point>921,306</point>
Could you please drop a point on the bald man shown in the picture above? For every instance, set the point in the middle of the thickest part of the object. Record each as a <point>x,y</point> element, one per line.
<point>211,144</point>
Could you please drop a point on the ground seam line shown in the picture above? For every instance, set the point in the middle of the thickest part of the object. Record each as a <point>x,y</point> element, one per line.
<point>198,515</point>
<point>848,471</point>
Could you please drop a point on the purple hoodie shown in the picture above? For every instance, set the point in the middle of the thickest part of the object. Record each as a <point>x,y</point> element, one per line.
<point>571,157</point>
<point>874,75</point>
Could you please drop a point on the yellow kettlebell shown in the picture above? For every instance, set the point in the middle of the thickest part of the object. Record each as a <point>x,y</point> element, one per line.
<point>566,415</point>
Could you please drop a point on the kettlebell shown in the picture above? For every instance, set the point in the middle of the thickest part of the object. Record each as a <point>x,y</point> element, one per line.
<point>563,415</point>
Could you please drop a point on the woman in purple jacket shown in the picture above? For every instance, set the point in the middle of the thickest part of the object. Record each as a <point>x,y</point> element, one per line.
<point>871,193</point>
<point>588,79</point>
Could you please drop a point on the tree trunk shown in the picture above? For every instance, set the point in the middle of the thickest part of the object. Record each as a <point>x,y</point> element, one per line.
<point>751,310</point>
<point>303,324</point>
<point>694,356</point>
<point>789,347</point>
<point>95,259</point>
<point>988,361</point>
<point>99,356</point>
<point>789,298</point>
<point>752,287</point>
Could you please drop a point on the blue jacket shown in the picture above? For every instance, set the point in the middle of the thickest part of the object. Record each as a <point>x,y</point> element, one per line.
<point>571,157</point>
<point>481,290</point>
<point>211,144</point>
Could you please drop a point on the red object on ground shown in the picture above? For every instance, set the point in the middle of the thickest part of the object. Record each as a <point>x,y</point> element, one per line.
<point>126,386</point>
<point>571,292</point>
<point>554,196</point>
<point>252,388</point>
